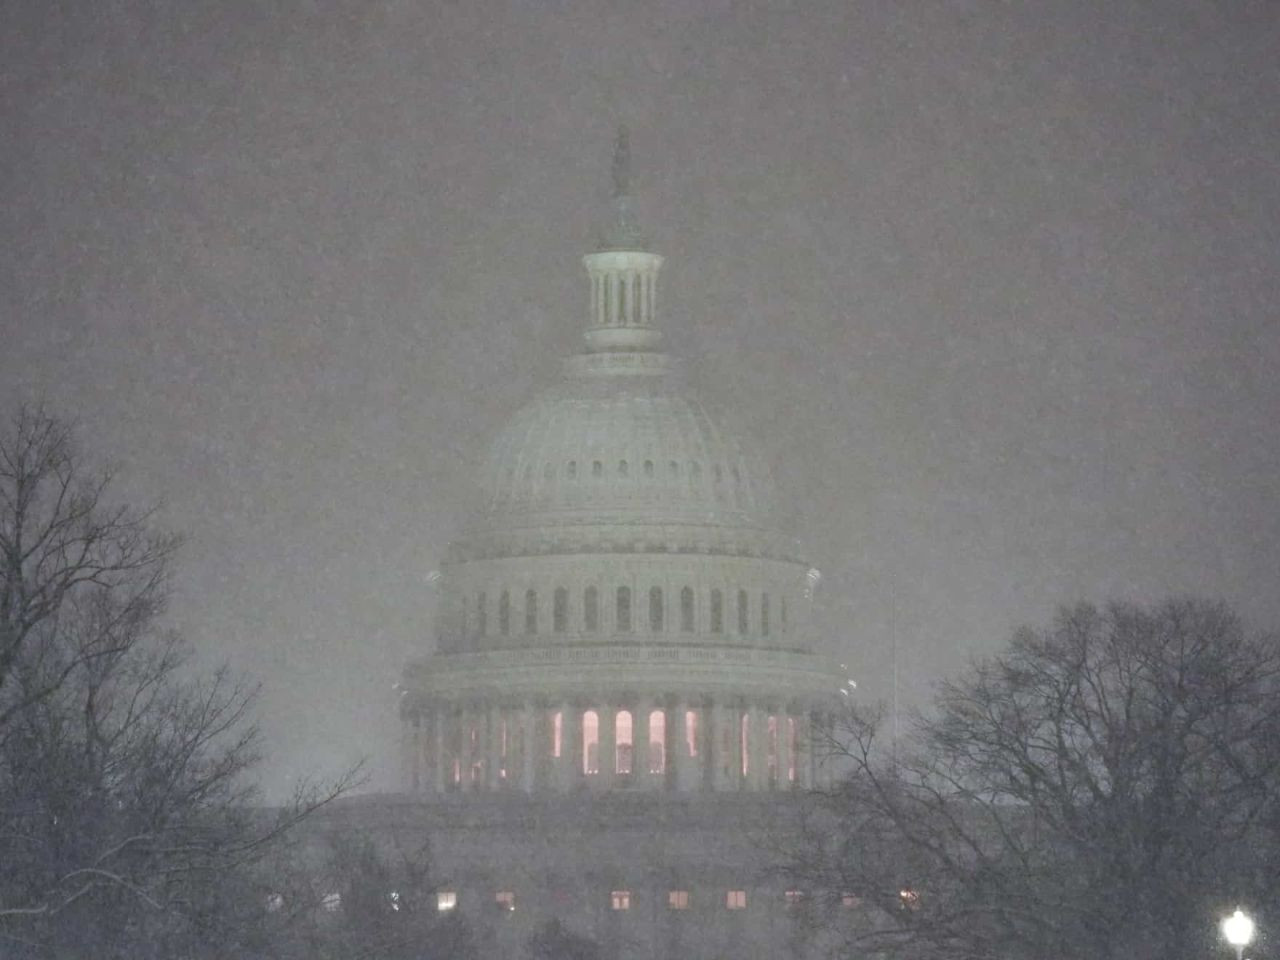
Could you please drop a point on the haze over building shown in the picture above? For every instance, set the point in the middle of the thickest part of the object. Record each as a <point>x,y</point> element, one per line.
<point>624,687</point>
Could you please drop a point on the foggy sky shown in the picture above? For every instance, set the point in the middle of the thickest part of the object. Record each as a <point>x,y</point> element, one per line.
<point>994,284</point>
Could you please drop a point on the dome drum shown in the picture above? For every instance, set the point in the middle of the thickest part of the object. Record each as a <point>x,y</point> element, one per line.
<point>643,599</point>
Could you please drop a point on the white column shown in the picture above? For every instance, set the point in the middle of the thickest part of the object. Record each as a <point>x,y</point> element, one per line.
<point>784,749</point>
<point>608,745</point>
<point>640,743</point>
<point>531,743</point>
<point>437,745</point>
<point>570,772</point>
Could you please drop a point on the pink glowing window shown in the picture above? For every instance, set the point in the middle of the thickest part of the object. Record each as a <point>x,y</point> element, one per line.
<point>557,734</point>
<point>678,899</point>
<point>744,743</point>
<point>620,899</point>
<point>657,741</point>
<point>623,745</point>
<point>736,900</point>
<point>691,732</point>
<point>590,743</point>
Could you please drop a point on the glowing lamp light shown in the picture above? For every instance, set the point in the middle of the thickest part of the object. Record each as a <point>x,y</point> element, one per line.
<point>1238,930</point>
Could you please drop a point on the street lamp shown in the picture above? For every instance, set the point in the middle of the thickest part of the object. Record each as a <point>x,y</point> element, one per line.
<point>1238,930</point>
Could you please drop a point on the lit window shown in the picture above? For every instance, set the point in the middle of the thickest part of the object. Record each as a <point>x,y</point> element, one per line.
<point>590,743</point>
<point>657,741</point>
<point>691,732</point>
<point>446,900</point>
<point>849,900</point>
<point>275,902</point>
<point>620,899</point>
<point>591,610</point>
<point>792,897</point>
<point>394,897</point>
<point>505,899</point>
<point>736,900</point>
<point>678,899</point>
<point>910,899</point>
<point>623,751</point>
<point>557,734</point>
<point>331,902</point>
<point>686,610</point>
<point>744,743</point>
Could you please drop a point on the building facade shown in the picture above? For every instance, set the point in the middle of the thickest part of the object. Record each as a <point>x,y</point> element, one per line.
<point>624,684</point>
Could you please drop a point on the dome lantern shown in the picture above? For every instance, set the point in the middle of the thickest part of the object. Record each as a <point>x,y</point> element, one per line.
<point>624,276</point>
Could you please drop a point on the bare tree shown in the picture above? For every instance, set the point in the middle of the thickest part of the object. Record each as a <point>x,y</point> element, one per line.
<point>128,827</point>
<point>1105,788</point>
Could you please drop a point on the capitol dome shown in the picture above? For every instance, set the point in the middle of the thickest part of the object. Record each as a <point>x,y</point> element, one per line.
<point>619,612</point>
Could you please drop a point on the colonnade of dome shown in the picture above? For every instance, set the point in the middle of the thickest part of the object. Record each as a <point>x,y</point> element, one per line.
<point>637,743</point>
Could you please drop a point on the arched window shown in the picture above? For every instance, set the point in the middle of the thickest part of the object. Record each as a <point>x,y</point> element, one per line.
<point>657,741</point>
<point>482,615</point>
<point>590,743</point>
<point>717,612</point>
<point>674,468</point>
<point>560,610</point>
<point>648,468</point>
<point>572,470</point>
<point>590,610</point>
<point>742,611</point>
<point>622,468</point>
<point>597,469</point>
<point>623,743</point>
<point>764,615</point>
<point>686,610</point>
<point>655,609</point>
<point>530,612</point>
<point>504,613</point>
<point>623,619</point>
<point>548,471</point>
<point>695,470</point>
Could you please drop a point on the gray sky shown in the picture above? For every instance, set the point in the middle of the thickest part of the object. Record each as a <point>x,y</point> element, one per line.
<point>994,284</point>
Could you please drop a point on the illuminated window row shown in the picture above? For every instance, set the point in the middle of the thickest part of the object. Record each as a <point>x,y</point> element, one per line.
<point>475,613</point>
<point>640,744</point>
<point>505,900</point>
